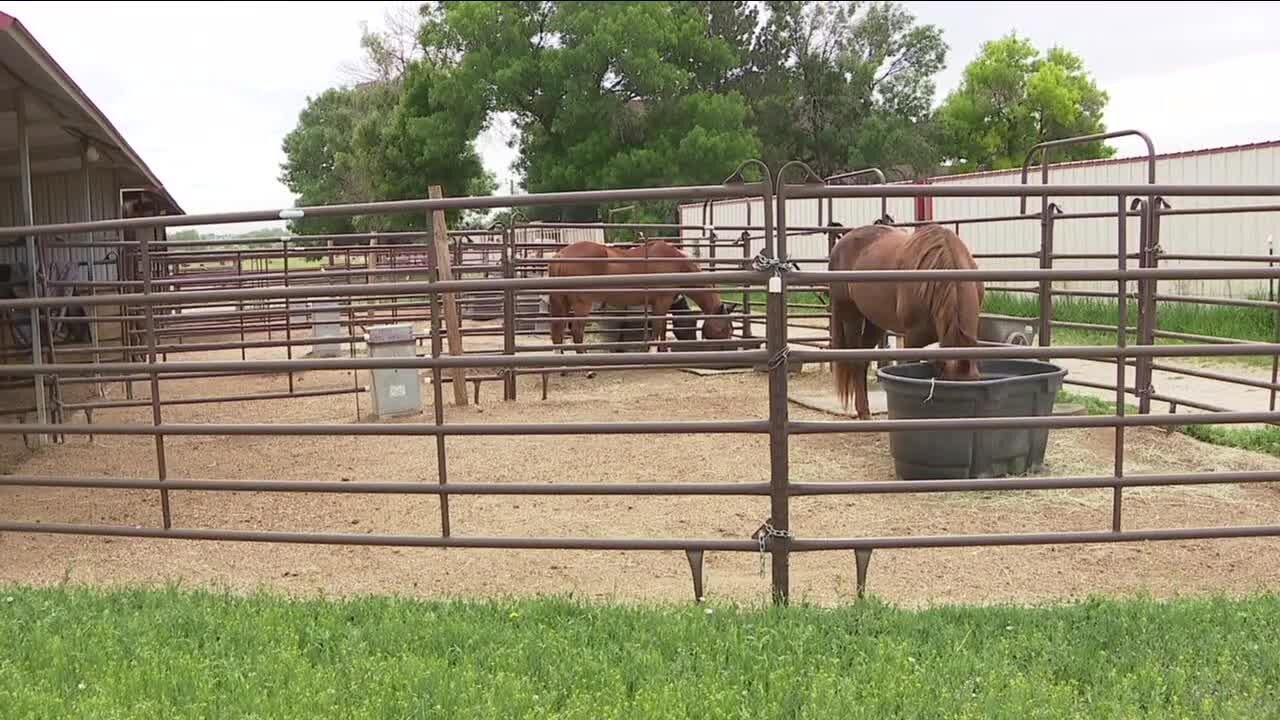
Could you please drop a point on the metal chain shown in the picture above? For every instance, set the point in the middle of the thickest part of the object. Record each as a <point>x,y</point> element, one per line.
<point>765,263</point>
<point>777,360</point>
<point>766,531</point>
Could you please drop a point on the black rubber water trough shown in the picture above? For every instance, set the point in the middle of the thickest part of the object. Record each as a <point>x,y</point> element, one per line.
<point>1008,388</point>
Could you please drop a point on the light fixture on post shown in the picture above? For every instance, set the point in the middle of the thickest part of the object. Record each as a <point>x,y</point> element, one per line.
<point>91,153</point>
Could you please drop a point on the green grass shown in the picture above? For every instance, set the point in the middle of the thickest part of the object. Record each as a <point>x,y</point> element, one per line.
<point>1093,405</point>
<point>73,653</point>
<point>1264,439</point>
<point>1254,324</point>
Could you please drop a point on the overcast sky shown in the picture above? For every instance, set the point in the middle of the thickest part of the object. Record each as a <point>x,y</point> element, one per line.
<point>206,91</point>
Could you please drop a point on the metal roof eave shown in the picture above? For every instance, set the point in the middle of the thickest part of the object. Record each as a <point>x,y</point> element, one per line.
<point>15,31</point>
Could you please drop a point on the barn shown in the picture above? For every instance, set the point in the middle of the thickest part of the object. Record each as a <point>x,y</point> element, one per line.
<point>63,161</point>
<point>1183,230</point>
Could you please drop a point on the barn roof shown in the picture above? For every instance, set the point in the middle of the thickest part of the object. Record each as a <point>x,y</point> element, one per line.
<point>61,117</point>
<point>1016,172</point>
<point>1110,161</point>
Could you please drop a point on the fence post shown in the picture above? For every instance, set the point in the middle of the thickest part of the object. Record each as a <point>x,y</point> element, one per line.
<point>1275,322</point>
<point>1122,337</point>
<point>745,240</point>
<point>288,314</point>
<point>150,319</point>
<point>779,526</point>
<point>436,254</point>
<point>1149,236</point>
<point>452,321</point>
<point>1046,263</point>
<point>508,313</point>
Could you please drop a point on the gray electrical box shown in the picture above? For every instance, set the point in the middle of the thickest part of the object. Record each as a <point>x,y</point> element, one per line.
<point>326,323</point>
<point>396,391</point>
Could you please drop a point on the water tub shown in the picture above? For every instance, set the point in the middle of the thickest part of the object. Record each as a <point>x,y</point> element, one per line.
<point>1008,388</point>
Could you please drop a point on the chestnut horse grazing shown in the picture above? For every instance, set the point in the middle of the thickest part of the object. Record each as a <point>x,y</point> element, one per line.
<point>662,257</point>
<point>923,312</point>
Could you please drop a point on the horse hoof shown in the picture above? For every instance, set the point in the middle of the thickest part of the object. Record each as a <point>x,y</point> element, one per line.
<point>591,375</point>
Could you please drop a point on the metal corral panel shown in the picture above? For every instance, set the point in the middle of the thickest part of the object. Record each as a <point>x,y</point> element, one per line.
<point>1234,234</point>
<point>553,236</point>
<point>810,249</point>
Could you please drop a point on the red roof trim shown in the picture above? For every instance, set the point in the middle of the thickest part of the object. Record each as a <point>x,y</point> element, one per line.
<point>1112,161</point>
<point>1017,172</point>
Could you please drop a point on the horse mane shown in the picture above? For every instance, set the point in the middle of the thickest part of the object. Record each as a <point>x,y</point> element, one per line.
<point>937,248</point>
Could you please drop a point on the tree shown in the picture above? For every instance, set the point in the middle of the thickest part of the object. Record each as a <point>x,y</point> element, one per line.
<point>1012,97</point>
<point>408,126</point>
<point>843,86</point>
<point>313,152</point>
<point>389,53</point>
<point>604,95</point>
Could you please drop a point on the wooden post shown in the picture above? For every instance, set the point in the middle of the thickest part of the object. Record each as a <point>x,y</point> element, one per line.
<point>452,324</point>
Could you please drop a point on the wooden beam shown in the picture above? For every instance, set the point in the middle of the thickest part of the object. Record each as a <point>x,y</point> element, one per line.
<point>452,323</point>
<point>70,150</point>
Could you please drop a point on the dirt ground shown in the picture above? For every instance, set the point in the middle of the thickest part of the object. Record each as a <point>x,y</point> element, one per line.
<point>909,577</point>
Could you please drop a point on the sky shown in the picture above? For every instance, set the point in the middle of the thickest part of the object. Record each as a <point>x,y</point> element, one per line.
<point>205,92</point>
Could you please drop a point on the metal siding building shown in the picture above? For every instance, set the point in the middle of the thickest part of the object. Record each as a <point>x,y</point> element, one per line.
<point>1224,234</point>
<point>70,144</point>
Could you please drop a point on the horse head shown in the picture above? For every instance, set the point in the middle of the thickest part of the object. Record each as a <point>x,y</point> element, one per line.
<point>719,328</point>
<point>957,369</point>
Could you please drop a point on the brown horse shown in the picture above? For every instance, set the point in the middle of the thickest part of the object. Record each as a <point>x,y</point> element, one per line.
<point>662,258</point>
<point>923,312</point>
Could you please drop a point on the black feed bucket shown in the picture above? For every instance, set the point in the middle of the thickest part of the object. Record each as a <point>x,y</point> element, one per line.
<point>1008,388</point>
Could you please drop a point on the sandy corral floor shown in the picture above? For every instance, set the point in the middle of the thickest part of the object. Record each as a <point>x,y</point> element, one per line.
<point>907,576</point>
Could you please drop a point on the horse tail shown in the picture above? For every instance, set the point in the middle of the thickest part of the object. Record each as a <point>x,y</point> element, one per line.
<point>841,370</point>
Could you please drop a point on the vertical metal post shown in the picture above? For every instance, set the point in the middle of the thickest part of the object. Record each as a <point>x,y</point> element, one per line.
<point>393,256</point>
<point>27,210</point>
<point>288,315</point>
<point>1275,323</point>
<point>52,348</point>
<point>240,302</point>
<point>437,380</point>
<point>1122,332</point>
<point>775,241</point>
<point>747,329</point>
<point>1146,303</point>
<point>87,180</point>
<point>149,314</point>
<point>125,271</point>
<point>351,333</point>
<point>745,239</point>
<point>1046,263</point>
<point>508,313</point>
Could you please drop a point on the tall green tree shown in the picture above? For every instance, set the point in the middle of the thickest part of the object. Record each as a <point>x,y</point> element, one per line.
<point>1011,97</point>
<point>406,126</point>
<point>604,95</point>
<point>844,85</point>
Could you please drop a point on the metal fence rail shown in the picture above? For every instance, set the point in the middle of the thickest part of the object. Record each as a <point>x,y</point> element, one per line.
<point>770,273</point>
